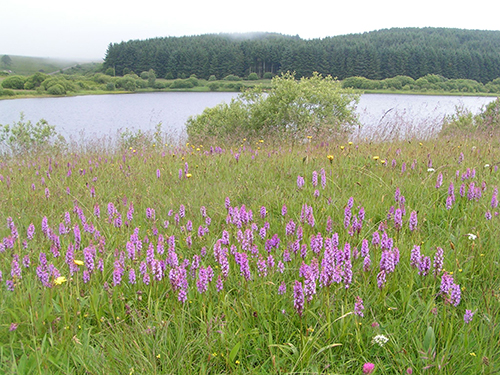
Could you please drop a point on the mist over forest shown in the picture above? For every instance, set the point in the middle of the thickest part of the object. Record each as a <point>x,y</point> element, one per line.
<point>412,52</point>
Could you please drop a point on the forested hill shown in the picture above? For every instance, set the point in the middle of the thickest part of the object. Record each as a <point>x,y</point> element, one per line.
<point>414,52</point>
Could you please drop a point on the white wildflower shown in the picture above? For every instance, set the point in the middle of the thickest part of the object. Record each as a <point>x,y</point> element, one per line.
<point>471,236</point>
<point>431,170</point>
<point>381,340</point>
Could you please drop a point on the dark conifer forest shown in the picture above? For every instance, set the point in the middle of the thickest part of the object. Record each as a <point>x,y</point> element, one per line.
<point>413,52</point>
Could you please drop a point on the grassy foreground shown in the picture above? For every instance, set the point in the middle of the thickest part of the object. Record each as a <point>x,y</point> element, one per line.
<point>258,258</point>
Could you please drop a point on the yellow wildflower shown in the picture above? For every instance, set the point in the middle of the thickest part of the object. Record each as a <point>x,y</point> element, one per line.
<point>60,280</point>
<point>78,262</point>
<point>375,157</point>
<point>188,175</point>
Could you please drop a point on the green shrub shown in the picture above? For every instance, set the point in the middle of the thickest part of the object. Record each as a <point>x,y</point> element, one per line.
<point>56,90</point>
<point>151,78</point>
<point>110,86</point>
<point>144,75</point>
<point>110,72</point>
<point>24,137</point>
<point>253,77</point>
<point>182,84</point>
<point>35,81</point>
<point>360,83</point>
<point>130,85</point>
<point>232,77</point>
<point>101,78</point>
<point>463,122</point>
<point>14,82</point>
<point>59,80</point>
<point>315,104</point>
<point>489,118</point>
<point>7,92</point>
<point>212,78</point>
<point>160,85</point>
<point>194,80</point>
<point>213,86</point>
<point>268,75</point>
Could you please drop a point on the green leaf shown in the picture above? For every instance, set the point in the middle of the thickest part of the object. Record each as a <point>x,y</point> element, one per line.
<point>234,352</point>
<point>429,339</point>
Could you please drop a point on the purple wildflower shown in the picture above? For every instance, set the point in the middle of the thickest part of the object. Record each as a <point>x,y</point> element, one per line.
<point>347,216</point>
<point>298,298</point>
<point>415,256</point>
<point>398,219</point>
<point>117,273</point>
<point>438,261</point>
<point>413,221</point>
<point>375,238</point>
<point>282,288</point>
<point>323,178</point>
<point>455,295</point>
<point>242,260</point>
<point>439,180</point>
<point>86,276</point>
<point>315,178</point>
<point>88,254</point>
<point>381,279</point>
<point>220,284</point>
<point>131,276</point>
<point>424,265</point>
<point>446,284</point>
<point>290,228</point>
<point>468,316</point>
<point>494,198</point>
<point>15,271</point>
<point>358,307</point>
<point>300,182</point>
<point>26,261</point>
<point>449,202</point>
<point>202,282</point>
<point>10,285</point>
<point>366,263</point>
<point>31,231</point>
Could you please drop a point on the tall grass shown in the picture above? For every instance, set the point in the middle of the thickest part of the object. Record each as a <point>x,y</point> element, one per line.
<point>186,220</point>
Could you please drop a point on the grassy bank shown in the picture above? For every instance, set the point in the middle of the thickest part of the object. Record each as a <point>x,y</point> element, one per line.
<point>252,257</point>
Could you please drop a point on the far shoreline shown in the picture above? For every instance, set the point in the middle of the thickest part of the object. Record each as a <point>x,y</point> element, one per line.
<point>201,89</point>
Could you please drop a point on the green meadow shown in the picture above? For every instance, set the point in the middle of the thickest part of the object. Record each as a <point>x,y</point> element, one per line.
<point>252,256</point>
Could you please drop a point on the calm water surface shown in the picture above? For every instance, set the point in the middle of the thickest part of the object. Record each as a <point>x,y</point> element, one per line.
<point>83,117</point>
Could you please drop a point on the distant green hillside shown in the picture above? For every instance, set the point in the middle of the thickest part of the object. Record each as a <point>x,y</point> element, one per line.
<point>24,65</point>
<point>412,52</point>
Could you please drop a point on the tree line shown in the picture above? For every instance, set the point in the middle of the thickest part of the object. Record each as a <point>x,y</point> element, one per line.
<point>376,55</point>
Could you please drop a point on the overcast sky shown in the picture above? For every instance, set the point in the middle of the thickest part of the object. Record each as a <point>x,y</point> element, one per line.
<point>84,29</point>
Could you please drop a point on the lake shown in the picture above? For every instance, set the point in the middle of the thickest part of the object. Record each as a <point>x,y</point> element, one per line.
<point>85,117</point>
